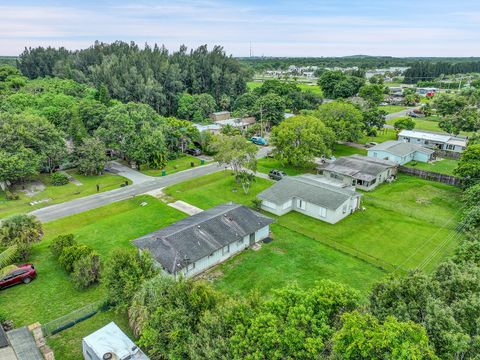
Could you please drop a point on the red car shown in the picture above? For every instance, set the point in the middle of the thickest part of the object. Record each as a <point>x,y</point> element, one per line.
<point>22,274</point>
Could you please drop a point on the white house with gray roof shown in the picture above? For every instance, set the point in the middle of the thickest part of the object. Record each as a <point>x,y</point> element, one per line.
<point>312,196</point>
<point>401,152</point>
<point>198,242</point>
<point>440,141</point>
<point>363,172</point>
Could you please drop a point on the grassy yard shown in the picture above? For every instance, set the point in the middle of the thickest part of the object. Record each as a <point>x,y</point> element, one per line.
<point>67,345</point>
<point>404,223</point>
<point>383,135</point>
<point>104,229</point>
<point>345,150</point>
<point>443,166</point>
<point>214,189</point>
<point>173,166</point>
<point>59,194</point>
<point>266,164</point>
<point>293,258</point>
<point>390,109</point>
<point>304,87</point>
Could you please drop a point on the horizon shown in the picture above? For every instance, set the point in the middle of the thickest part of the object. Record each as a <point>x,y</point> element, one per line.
<point>274,28</point>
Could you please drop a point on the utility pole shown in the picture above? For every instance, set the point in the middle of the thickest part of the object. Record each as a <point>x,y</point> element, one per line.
<point>250,49</point>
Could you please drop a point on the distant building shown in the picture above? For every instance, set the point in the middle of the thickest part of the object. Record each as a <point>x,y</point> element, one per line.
<point>240,123</point>
<point>432,140</point>
<point>220,115</point>
<point>198,242</point>
<point>401,152</point>
<point>310,195</point>
<point>213,128</point>
<point>110,343</point>
<point>363,172</point>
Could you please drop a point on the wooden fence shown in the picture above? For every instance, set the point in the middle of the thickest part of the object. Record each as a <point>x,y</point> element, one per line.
<point>447,154</point>
<point>430,175</point>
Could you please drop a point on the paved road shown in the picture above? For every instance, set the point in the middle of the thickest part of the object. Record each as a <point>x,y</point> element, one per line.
<point>79,205</point>
<point>397,115</point>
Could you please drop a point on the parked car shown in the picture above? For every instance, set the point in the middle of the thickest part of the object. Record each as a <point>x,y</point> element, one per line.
<point>414,115</point>
<point>258,140</point>
<point>371,144</point>
<point>194,152</point>
<point>276,174</point>
<point>22,274</point>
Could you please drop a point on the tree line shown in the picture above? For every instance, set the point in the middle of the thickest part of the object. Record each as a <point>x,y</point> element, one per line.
<point>429,70</point>
<point>150,75</point>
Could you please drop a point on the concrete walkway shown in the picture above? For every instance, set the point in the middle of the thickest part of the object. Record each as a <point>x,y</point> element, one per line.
<point>136,177</point>
<point>185,207</point>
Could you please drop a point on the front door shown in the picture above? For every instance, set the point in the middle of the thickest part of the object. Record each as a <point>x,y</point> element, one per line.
<point>252,239</point>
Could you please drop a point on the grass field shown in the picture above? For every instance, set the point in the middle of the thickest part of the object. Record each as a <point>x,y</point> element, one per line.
<point>443,166</point>
<point>390,109</point>
<point>104,229</point>
<point>384,135</point>
<point>345,150</point>
<point>59,194</point>
<point>266,164</point>
<point>67,345</point>
<point>293,258</point>
<point>173,166</point>
<point>214,189</point>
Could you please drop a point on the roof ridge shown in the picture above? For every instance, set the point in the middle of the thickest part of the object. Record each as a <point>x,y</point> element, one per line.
<point>326,186</point>
<point>209,217</point>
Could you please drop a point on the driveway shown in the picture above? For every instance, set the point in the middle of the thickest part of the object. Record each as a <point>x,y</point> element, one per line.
<point>136,177</point>
<point>141,184</point>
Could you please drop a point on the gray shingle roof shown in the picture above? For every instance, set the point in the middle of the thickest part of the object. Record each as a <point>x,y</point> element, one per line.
<point>197,236</point>
<point>307,187</point>
<point>359,167</point>
<point>400,148</point>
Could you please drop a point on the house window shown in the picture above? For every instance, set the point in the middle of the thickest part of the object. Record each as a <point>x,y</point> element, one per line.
<point>190,267</point>
<point>226,250</point>
<point>301,204</point>
<point>450,147</point>
<point>374,154</point>
<point>322,212</point>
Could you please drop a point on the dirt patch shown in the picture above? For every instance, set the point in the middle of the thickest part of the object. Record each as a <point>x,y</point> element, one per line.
<point>31,188</point>
<point>423,201</point>
<point>211,276</point>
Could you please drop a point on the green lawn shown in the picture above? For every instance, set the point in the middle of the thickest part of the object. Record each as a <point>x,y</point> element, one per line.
<point>59,194</point>
<point>266,164</point>
<point>390,109</point>
<point>443,166</point>
<point>67,345</point>
<point>293,258</point>
<point>104,229</point>
<point>214,189</point>
<point>173,166</point>
<point>427,123</point>
<point>383,135</point>
<point>345,150</point>
<point>403,224</point>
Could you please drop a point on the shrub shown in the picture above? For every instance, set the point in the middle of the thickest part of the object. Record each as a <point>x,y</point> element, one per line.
<point>11,195</point>
<point>71,254</point>
<point>22,231</point>
<point>86,271</point>
<point>59,179</point>
<point>59,243</point>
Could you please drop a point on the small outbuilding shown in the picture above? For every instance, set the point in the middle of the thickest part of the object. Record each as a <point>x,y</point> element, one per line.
<point>198,242</point>
<point>401,152</point>
<point>110,343</point>
<point>363,172</point>
<point>310,195</point>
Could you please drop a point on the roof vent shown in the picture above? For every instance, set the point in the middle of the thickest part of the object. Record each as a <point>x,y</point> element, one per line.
<point>198,226</point>
<point>108,356</point>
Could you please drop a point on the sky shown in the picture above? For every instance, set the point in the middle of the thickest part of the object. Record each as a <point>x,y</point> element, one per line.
<point>273,28</point>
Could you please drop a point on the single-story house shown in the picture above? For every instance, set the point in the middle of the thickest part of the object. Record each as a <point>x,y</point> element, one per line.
<point>311,196</point>
<point>198,242</point>
<point>220,115</point>
<point>213,128</point>
<point>440,141</point>
<point>241,123</point>
<point>363,172</point>
<point>401,152</point>
<point>110,342</point>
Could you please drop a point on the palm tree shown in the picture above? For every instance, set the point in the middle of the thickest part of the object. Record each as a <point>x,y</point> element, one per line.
<point>6,259</point>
